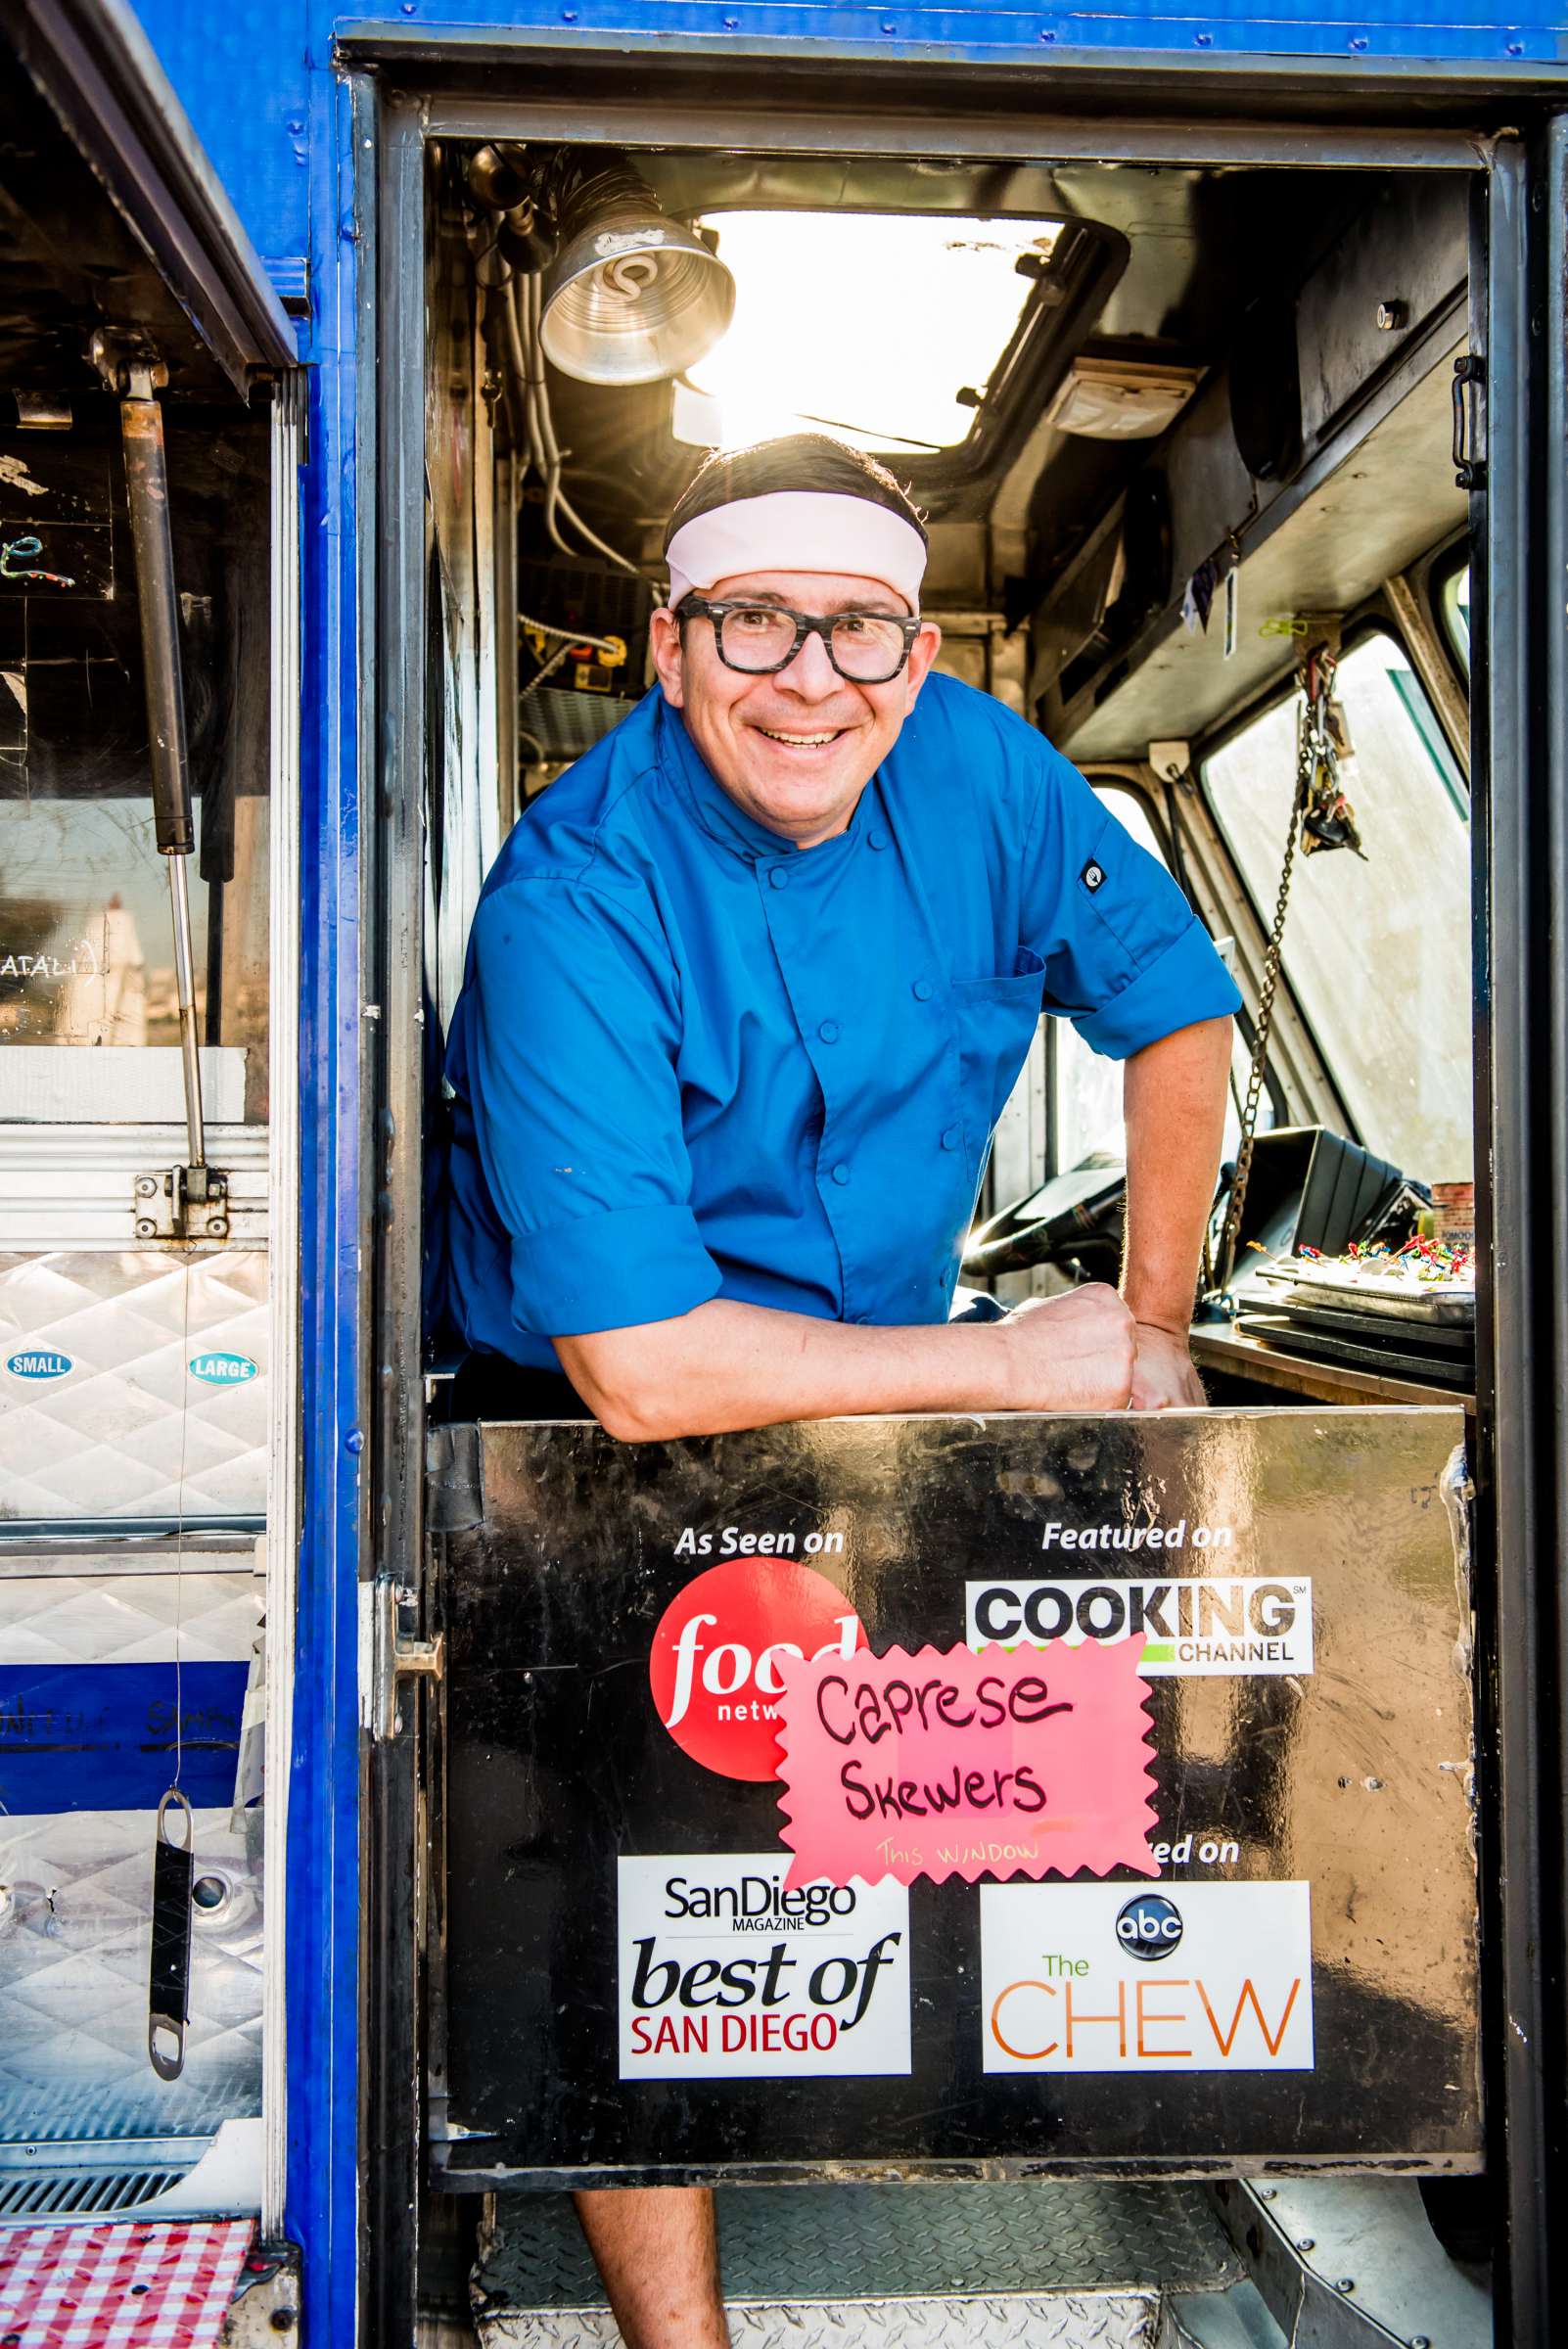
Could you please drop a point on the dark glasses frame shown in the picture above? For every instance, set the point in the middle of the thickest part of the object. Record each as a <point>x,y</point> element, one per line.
<point>807,623</point>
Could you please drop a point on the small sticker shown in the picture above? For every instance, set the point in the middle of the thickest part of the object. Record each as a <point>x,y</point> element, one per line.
<point>42,1364</point>
<point>223,1369</point>
<point>1092,875</point>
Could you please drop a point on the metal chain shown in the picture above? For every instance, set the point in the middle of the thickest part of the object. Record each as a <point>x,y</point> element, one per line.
<point>1306,756</point>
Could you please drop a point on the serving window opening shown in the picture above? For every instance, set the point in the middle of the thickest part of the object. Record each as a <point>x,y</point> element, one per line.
<point>1151,499</point>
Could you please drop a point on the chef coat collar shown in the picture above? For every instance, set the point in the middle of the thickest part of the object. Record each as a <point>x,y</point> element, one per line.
<point>720,816</point>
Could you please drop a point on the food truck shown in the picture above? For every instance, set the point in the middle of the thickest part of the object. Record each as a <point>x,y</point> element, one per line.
<point>406,1819</point>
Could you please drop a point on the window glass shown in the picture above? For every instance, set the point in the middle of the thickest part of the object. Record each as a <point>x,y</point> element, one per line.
<point>1376,951</point>
<point>86,931</point>
<point>1088,1087</point>
<point>1453,603</point>
<point>869,366</point>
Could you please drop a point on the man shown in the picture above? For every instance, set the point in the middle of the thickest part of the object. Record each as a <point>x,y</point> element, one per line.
<point>746,994</point>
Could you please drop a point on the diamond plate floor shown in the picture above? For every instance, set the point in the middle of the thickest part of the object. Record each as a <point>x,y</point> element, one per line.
<point>935,2266</point>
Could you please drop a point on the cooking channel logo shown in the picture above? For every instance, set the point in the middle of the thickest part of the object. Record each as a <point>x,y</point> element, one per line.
<point>1197,1978</point>
<point>726,1974</point>
<point>712,1667</point>
<point>1193,1627</point>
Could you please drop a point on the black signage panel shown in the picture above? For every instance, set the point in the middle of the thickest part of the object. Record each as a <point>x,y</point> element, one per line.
<point>629,1985</point>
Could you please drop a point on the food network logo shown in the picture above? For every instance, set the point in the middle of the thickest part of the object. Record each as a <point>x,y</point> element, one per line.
<point>1191,1626</point>
<point>713,1665</point>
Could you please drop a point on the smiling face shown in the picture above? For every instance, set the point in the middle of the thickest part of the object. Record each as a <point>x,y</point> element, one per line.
<point>793,749</point>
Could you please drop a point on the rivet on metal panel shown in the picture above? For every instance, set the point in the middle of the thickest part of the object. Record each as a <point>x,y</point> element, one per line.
<point>1420,2340</point>
<point>1358,40</point>
<point>1307,2242</point>
<point>1515,48</point>
<point>1345,2283</point>
<point>1203,40</point>
<point>354,1440</point>
<point>1046,33</point>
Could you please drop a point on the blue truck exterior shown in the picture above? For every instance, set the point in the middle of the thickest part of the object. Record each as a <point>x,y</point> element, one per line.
<point>265,91</point>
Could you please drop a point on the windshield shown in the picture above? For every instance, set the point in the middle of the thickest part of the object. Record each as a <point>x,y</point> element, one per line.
<point>895,315</point>
<point>1377,953</point>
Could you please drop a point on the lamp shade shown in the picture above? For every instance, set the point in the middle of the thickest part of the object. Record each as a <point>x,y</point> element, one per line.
<point>631,297</point>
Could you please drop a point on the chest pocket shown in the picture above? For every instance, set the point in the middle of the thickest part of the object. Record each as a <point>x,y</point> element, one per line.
<point>996,1020</point>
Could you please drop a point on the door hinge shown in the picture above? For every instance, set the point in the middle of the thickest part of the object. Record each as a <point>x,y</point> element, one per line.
<point>1470,421</point>
<point>395,1656</point>
<point>181,1203</point>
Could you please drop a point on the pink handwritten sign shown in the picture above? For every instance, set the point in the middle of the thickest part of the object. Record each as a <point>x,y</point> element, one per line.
<point>996,1764</point>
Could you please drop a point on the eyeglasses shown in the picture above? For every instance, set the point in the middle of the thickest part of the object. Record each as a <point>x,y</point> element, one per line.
<point>867,647</point>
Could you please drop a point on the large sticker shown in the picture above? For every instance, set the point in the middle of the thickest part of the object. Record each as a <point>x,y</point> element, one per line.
<point>1115,1979</point>
<point>961,1765</point>
<point>727,1973</point>
<point>713,1666</point>
<point>1200,1626</point>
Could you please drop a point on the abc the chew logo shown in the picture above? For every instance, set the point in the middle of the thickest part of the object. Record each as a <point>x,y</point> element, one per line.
<point>1199,1978</point>
<point>1149,1926</point>
<point>712,1667</point>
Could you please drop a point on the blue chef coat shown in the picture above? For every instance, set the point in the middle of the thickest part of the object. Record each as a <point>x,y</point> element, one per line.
<point>691,1060</point>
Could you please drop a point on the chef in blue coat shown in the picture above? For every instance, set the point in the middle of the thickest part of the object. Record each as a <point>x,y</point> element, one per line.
<point>747,989</point>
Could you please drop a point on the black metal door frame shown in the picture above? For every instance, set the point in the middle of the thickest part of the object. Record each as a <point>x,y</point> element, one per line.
<point>1520,764</point>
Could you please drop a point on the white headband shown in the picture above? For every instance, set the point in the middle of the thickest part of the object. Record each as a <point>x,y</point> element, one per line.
<point>798,530</point>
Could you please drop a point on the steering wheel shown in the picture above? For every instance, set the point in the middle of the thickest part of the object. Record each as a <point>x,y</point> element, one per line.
<point>1073,1222</point>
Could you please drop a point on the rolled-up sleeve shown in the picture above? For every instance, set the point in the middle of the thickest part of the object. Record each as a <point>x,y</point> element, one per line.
<point>576,1104</point>
<point>1126,960</point>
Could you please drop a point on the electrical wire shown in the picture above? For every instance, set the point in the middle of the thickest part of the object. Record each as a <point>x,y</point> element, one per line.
<point>524,316</point>
<point>548,669</point>
<point>613,646</point>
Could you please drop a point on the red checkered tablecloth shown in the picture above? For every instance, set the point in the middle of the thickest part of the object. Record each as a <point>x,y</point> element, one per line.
<point>121,2286</point>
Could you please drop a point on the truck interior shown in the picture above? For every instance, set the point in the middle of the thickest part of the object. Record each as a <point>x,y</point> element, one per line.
<point>1172,450</point>
<point>1190,440</point>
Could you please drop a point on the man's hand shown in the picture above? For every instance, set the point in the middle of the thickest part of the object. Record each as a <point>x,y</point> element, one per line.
<point>1072,1353</point>
<point>1164,1376</point>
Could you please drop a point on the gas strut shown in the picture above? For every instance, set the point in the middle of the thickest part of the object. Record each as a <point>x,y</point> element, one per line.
<point>132,370</point>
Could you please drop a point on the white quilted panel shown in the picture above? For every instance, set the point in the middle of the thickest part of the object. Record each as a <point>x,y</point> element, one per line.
<point>117,1618</point>
<point>76,1914</point>
<point>130,1430</point>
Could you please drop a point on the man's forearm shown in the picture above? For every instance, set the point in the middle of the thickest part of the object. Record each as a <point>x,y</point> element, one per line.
<point>1175,1104</point>
<point>728,1365</point>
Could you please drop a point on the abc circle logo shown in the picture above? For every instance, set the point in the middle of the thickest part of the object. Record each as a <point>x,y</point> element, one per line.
<point>1149,1926</point>
<point>713,1664</point>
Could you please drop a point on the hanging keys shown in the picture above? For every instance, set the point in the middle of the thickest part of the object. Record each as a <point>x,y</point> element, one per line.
<point>1328,757</point>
